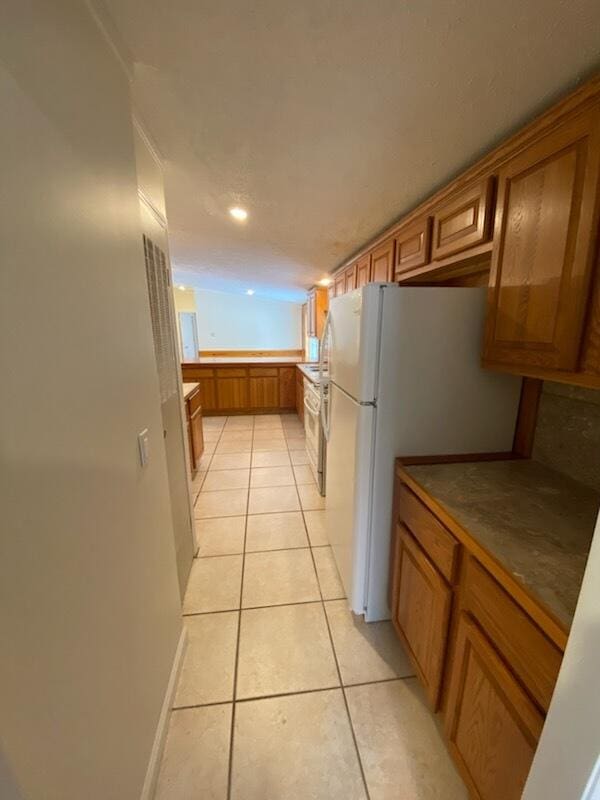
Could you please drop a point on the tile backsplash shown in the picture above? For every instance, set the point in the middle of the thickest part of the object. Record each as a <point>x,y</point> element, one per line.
<point>567,435</point>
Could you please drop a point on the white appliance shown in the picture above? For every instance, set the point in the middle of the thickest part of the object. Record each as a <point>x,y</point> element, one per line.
<point>401,375</point>
<point>315,439</point>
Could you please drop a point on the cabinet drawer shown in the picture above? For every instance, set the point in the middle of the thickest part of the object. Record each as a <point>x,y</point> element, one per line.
<point>421,615</point>
<point>438,543</point>
<point>194,401</point>
<point>491,724</point>
<point>463,221</point>
<point>413,245</point>
<point>263,372</point>
<point>231,372</point>
<point>534,659</point>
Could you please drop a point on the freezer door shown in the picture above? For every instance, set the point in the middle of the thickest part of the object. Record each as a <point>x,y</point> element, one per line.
<point>349,491</point>
<point>353,338</point>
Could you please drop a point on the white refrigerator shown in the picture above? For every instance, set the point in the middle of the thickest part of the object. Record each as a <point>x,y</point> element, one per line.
<point>401,377</point>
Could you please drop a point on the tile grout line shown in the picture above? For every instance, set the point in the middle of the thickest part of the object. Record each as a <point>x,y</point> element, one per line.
<point>342,687</point>
<point>291,694</point>
<point>237,644</point>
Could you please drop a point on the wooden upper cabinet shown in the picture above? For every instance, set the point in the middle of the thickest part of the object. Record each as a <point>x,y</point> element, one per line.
<point>463,220</point>
<point>363,271</point>
<point>382,262</point>
<point>492,725</point>
<point>422,612</point>
<point>340,283</point>
<point>350,278</point>
<point>544,247</point>
<point>413,245</point>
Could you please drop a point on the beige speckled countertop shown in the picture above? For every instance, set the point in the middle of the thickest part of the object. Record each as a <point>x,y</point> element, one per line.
<point>188,388</point>
<point>537,522</point>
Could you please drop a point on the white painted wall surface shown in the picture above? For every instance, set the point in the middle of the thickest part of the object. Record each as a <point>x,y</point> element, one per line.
<point>89,601</point>
<point>244,322</point>
<point>566,763</point>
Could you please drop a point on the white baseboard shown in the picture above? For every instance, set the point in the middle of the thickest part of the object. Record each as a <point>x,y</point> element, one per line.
<point>163,721</point>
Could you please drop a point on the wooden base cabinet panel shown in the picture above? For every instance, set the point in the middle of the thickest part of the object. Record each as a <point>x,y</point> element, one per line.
<point>287,388</point>
<point>422,612</point>
<point>491,724</point>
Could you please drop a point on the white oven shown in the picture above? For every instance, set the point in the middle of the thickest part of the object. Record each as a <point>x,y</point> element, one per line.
<point>315,441</point>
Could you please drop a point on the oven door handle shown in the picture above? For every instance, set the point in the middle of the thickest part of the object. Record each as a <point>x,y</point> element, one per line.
<point>313,411</point>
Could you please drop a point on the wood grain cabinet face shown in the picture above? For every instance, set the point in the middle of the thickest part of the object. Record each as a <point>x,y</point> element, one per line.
<point>340,284</point>
<point>287,387</point>
<point>350,278</point>
<point>422,612</point>
<point>363,271</point>
<point>263,387</point>
<point>382,262</point>
<point>491,724</point>
<point>544,245</point>
<point>413,246</point>
<point>197,436</point>
<point>232,389</point>
<point>463,220</point>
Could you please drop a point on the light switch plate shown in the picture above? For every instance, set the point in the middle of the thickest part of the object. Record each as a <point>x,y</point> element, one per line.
<point>144,447</point>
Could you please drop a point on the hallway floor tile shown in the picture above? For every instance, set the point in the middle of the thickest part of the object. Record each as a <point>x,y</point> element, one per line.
<point>284,694</point>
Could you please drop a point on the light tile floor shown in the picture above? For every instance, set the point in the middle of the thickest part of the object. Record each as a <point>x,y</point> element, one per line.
<point>283,693</point>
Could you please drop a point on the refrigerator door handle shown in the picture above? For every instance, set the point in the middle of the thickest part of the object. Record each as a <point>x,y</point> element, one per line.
<point>326,340</point>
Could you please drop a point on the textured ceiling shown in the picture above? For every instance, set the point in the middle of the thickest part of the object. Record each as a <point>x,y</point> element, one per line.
<point>328,119</point>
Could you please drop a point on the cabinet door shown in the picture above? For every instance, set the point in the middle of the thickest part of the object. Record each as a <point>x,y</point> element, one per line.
<point>463,221</point>
<point>350,278</point>
<point>193,464</point>
<point>197,435</point>
<point>491,724</point>
<point>207,388</point>
<point>287,387</point>
<point>382,262</point>
<point>544,244</point>
<point>363,271</point>
<point>331,292</point>
<point>340,284</point>
<point>413,245</point>
<point>422,612</point>
<point>264,391</point>
<point>232,389</point>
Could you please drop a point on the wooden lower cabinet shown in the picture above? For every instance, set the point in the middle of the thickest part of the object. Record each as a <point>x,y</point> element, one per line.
<point>487,658</point>
<point>244,389</point>
<point>287,388</point>
<point>422,612</point>
<point>491,724</point>
<point>232,390</point>
<point>195,433</point>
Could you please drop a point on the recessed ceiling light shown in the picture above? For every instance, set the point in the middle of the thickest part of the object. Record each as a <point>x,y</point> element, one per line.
<point>181,288</point>
<point>326,281</point>
<point>249,291</point>
<point>238,213</point>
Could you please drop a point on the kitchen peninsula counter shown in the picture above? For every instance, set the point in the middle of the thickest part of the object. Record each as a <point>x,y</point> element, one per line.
<point>244,384</point>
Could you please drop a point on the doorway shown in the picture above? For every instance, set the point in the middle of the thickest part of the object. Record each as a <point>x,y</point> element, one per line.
<point>188,335</point>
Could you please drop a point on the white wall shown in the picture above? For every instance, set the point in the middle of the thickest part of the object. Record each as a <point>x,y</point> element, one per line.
<point>569,748</point>
<point>244,322</point>
<point>89,602</point>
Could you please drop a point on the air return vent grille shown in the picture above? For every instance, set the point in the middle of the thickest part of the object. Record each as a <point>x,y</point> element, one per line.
<point>159,287</point>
